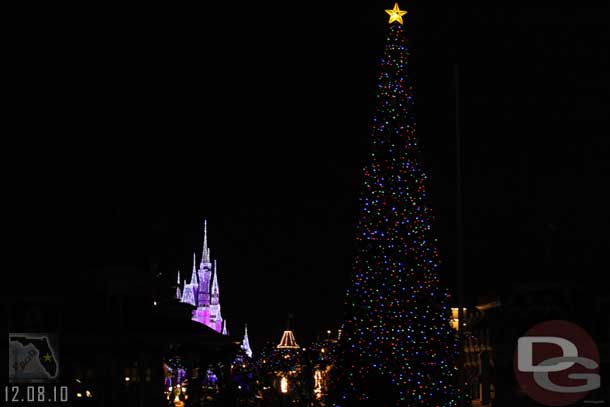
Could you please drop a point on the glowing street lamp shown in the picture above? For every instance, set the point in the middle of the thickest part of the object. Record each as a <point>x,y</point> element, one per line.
<point>284,385</point>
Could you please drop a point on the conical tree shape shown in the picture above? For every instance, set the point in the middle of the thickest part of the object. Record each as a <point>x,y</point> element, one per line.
<point>397,347</point>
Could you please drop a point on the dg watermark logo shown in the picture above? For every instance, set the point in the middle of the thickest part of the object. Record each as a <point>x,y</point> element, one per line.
<point>557,363</point>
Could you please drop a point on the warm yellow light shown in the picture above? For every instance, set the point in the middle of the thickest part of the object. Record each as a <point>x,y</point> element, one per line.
<point>455,317</point>
<point>455,311</point>
<point>396,14</point>
<point>79,395</point>
<point>284,385</point>
<point>318,384</point>
<point>322,350</point>
<point>88,393</point>
<point>127,379</point>
<point>178,402</point>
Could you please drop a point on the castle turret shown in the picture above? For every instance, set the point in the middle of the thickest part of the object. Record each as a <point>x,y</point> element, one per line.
<point>205,255</point>
<point>215,315</point>
<point>188,295</point>
<point>215,289</point>
<point>194,279</point>
<point>245,343</point>
<point>178,292</point>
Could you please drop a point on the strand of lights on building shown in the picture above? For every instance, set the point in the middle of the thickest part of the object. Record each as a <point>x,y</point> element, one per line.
<point>317,389</point>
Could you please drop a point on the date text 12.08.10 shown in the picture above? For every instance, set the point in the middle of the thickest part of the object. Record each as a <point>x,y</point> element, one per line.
<point>35,395</point>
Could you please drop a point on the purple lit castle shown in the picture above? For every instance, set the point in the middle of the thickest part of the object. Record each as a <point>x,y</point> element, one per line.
<point>203,292</point>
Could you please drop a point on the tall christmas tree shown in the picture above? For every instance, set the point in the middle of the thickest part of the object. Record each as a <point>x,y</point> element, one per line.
<point>397,347</point>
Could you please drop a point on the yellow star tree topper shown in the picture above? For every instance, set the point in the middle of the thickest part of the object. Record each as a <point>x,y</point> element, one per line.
<point>396,14</point>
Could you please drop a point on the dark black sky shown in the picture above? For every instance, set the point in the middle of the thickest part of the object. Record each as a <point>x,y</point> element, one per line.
<point>135,124</point>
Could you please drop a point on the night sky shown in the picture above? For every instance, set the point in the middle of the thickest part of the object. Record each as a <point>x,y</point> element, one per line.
<point>135,124</point>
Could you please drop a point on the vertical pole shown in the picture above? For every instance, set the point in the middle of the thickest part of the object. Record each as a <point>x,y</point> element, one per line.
<point>459,237</point>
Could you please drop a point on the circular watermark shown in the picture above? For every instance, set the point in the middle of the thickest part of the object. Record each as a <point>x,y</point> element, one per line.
<point>557,363</point>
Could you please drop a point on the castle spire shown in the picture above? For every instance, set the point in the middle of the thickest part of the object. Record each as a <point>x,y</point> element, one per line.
<point>205,257</point>
<point>178,293</point>
<point>225,331</point>
<point>245,343</point>
<point>215,289</point>
<point>194,275</point>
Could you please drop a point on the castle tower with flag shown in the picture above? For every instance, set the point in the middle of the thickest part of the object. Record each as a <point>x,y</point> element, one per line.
<point>203,290</point>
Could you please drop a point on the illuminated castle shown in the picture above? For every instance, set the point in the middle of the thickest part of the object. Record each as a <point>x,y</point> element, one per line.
<point>203,291</point>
